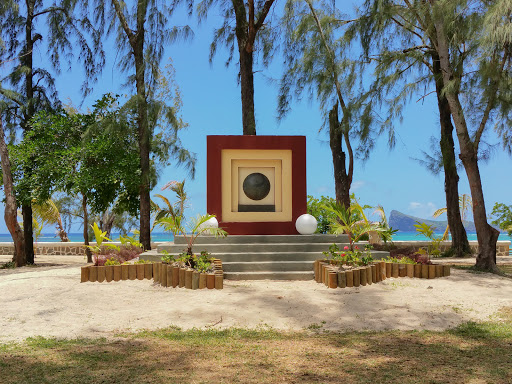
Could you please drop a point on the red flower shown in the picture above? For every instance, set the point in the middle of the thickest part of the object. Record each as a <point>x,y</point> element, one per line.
<point>345,247</point>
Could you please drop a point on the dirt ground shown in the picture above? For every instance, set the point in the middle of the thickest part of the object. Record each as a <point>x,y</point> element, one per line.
<point>49,300</point>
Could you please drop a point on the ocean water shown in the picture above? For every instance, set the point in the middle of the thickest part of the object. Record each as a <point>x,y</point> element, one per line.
<point>79,237</point>
<point>414,236</point>
<point>162,237</point>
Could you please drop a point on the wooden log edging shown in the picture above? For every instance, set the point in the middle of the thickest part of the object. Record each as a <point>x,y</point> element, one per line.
<point>163,274</point>
<point>329,274</point>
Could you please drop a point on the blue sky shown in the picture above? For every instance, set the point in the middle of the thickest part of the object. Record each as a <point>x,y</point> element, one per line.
<point>211,105</point>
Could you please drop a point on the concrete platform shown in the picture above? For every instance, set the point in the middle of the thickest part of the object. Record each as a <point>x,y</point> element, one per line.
<point>261,257</point>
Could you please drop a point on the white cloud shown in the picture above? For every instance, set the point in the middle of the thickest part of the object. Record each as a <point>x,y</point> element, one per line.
<point>358,184</point>
<point>423,210</point>
<point>320,190</point>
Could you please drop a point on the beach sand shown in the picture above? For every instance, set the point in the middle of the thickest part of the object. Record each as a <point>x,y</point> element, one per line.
<point>49,300</point>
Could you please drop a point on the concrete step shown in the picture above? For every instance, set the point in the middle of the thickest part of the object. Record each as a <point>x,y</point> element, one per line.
<point>269,275</point>
<point>250,247</point>
<point>268,266</point>
<point>251,239</point>
<point>264,256</point>
<point>267,256</point>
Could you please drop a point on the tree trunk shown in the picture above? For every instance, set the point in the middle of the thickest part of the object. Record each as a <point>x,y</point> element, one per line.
<point>460,244</point>
<point>62,232</point>
<point>144,147</point>
<point>28,232</point>
<point>86,228</point>
<point>341,179</point>
<point>247,91</point>
<point>11,207</point>
<point>487,236</point>
<point>107,221</point>
<point>27,60</point>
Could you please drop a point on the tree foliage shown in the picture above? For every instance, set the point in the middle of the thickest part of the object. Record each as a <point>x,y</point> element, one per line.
<point>502,214</point>
<point>142,32</point>
<point>245,26</point>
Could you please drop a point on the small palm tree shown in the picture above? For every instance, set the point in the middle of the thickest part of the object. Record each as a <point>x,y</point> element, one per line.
<point>465,204</point>
<point>172,218</point>
<point>352,221</point>
<point>176,210</point>
<point>195,229</point>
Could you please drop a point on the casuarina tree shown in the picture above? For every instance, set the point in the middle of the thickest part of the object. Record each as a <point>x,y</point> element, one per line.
<point>142,31</point>
<point>63,30</point>
<point>396,36</point>
<point>251,34</point>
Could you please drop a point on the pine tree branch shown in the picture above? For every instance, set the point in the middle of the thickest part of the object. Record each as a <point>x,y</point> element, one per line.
<point>422,97</point>
<point>331,54</point>
<point>7,95</point>
<point>418,47</point>
<point>490,103</point>
<point>264,13</point>
<point>51,9</point>
<point>407,29</point>
<point>123,21</point>
<point>418,18</point>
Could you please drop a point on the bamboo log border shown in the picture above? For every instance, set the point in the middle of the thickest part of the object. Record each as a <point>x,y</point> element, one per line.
<point>328,274</point>
<point>163,274</point>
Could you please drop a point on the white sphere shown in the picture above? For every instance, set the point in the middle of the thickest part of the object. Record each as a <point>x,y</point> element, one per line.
<point>306,224</point>
<point>210,223</point>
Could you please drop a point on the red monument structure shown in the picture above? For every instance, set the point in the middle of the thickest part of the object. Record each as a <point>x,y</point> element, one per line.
<point>256,185</point>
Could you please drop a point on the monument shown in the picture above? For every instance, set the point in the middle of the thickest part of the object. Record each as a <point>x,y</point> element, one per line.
<point>256,185</point>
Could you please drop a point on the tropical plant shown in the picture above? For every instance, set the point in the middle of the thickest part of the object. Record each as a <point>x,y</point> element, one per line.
<point>349,257</point>
<point>48,213</point>
<point>387,232</point>
<point>112,261</point>
<point>352,221</point>
<point>176,210</point>
<point>316,208</point>
<point>465,204</point>
<point>428,231</point>
<point>100,237</point>
<point>173,218</point>
<point>400,260</point>
<point>503,217</point>
<point>195,229</point>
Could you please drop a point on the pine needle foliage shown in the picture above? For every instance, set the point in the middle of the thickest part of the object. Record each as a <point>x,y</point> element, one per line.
<point>321,64</point>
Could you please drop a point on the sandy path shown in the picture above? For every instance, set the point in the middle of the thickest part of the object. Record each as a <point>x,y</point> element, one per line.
<point>51,301</point>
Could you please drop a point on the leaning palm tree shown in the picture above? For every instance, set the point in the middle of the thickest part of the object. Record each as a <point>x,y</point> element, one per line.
<point>48,213</point>
<point>175,210</point>
<point>465,204</point>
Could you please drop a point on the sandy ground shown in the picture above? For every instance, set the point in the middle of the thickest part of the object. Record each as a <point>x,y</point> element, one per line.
<point>49,300</point>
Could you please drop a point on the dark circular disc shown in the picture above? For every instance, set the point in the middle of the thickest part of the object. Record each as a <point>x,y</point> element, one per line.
<point>256,186</point>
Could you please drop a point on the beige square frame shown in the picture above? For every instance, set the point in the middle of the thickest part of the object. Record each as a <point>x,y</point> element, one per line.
<point>234,160</point>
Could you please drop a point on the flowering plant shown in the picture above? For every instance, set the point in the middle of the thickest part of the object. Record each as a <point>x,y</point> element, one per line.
<point>350,257</point>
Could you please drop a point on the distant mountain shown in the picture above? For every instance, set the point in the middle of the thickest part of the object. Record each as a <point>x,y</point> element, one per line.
<point>405,223</point>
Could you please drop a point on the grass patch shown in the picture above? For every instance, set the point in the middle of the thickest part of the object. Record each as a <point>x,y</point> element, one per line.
<point>504,269</point>
<point>8,265</point>
<point>472,352</point>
